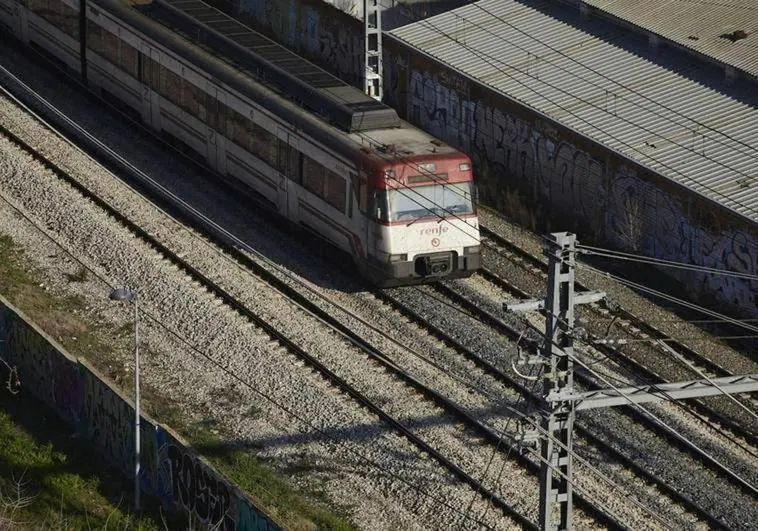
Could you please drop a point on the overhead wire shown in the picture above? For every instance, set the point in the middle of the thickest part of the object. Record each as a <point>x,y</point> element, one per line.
<point>232,374</point>
<point>525,417</point>
<point>168,329</point>
<point>590,250</point>
<point>673,431</point>
<point>674,300</point>
<point>680,358</point>
<point>715,161</point>
<point>532,392</point>
<point>561,53</point>
<point>426,22</point>
<point>623,340</point>
<point>510,43</point>
<point>489,60</point>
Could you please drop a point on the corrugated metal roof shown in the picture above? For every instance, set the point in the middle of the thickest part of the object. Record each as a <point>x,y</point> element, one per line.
<point>649,112</point>
<point>711,27</point>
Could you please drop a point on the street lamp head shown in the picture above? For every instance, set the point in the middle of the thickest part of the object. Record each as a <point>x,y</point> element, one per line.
<point>122,294</point>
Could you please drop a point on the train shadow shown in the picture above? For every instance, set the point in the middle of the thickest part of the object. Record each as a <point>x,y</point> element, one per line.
<point>262,233</point>
<point>363,445</point>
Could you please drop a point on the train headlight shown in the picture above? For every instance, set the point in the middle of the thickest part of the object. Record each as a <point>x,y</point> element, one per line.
<point>464,166</point>
<point>398,257</point>
<point>474,249</point>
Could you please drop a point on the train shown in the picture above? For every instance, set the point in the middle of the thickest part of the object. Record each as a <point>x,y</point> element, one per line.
<point>322,154</point>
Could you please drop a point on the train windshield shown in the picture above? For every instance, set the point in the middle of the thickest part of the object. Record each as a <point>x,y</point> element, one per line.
<point>438,200</point>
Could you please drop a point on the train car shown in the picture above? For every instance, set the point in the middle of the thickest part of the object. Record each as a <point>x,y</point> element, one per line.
<point>323,154</point>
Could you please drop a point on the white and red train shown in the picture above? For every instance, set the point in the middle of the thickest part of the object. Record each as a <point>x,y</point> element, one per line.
<point>323,154</point>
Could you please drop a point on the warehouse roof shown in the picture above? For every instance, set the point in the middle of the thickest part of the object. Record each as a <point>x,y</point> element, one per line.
<point>723,30</point>
<point>659,111</point>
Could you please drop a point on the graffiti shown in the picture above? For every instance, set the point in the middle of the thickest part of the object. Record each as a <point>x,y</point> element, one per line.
<point>110,422</point>
<point>340,48</point>
<point>249,519</point>
<point>199,490</point>
<point>326,40</point>
<point>607,200</point>
<point>168,472</point>
<point>55,379</point>
<point>155,473</point>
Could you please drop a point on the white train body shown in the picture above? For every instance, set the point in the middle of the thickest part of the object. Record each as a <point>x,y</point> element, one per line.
<point>398,200</point>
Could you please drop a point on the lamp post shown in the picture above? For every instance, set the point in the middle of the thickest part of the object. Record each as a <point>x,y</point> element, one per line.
<point>124,294</point>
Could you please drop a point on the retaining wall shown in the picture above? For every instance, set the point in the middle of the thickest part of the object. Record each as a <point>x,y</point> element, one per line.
<point>548,177</point>
<point>544,175</point>
<point>170,470</point>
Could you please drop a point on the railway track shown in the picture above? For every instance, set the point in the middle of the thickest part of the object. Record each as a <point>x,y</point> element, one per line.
<point>237,257</point>
<point>639,335</point>
<point>456,297</point>
<point>285,287</point>
<point>530,396</point>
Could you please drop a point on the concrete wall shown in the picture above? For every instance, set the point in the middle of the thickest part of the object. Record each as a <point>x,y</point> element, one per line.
<point>396,13</point>
<point>550,178</point>
<point>534,170</point>
<point>170,471</point>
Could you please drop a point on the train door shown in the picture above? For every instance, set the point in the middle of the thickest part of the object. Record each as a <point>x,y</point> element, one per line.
<point>373,227</point>
<point>212,124</point>
<point>286,195</point>
<point>151,112</point>
<point>20,21</point>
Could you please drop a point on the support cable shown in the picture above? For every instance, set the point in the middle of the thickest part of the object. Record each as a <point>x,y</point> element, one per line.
<point>622,255</point>
<point>489,60</point>
<point>668,428</point>
<point>561,53</point>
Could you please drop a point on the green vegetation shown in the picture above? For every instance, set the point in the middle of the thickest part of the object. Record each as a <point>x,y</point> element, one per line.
<point>49,480</point>
<point>266,487</point>
<point>61,482</point>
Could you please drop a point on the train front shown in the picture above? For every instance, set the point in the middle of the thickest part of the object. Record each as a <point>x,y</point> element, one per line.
<point>426,223</point>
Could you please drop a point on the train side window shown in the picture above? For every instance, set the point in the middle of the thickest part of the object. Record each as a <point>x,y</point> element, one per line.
<point>282,161</point>
<point>191,100</point>
<point>155,70</point>
<point>170,85</point>
<point>313,176</point>
<point>213,113</point>
<point>295,165</point>
<point>202,111</point>
<point>129,58</point>
<point>94,37</point>
<point>221,118</point>
<point>69,20</point>
<point>238,128</point>
<point>265,146</point>
<point>335,193</point>
<point>111,45</point>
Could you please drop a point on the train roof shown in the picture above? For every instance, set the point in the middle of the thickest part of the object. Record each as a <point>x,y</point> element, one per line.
<point>310,87</point>
<point>383,144</point>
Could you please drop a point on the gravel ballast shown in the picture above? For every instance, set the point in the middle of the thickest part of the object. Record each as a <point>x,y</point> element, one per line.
<point>374,496</point>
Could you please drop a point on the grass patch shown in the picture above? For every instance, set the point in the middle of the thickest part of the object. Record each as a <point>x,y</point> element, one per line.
<point>265,486</point>
<point>64,481</point>
<point>49,480</point>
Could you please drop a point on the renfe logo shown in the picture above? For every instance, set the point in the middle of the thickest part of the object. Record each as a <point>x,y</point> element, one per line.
<point>435,230</point>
